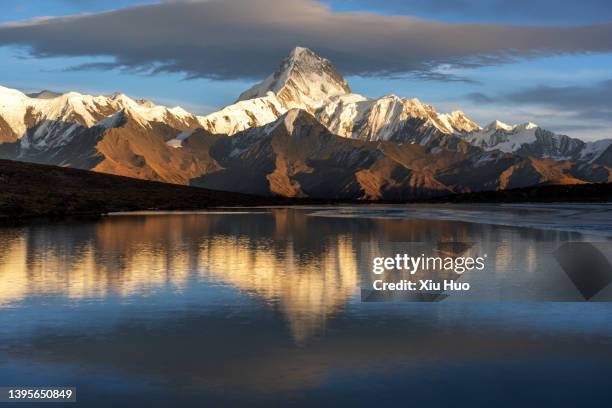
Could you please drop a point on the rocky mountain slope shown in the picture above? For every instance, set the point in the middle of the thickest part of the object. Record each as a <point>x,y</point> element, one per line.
<point>301,132</point>
<point>296,156</point>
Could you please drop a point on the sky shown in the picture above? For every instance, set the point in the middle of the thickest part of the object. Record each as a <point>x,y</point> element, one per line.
<point>548,62</point>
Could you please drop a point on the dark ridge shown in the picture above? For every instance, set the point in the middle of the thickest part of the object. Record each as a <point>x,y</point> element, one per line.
<point>37,190</point>
<point>44,94</point>
<point>573,193</point>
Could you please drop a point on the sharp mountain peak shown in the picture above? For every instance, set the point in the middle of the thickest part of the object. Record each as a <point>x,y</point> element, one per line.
<point>303,79</point>
<point>499,125</point>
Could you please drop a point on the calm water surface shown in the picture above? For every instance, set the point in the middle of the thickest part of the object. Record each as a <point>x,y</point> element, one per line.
<point>263,307</point>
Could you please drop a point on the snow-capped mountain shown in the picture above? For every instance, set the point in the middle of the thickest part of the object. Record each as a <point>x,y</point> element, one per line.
<point>390,118</point>
<point>304,80</point>
<point>300,132</point>
<point>500,136</point>
<point>48,121</point>
<point>528,139</point>
<point>243,115</point>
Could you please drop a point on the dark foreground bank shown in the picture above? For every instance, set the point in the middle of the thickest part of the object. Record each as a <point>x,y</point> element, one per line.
<point>35,190</point>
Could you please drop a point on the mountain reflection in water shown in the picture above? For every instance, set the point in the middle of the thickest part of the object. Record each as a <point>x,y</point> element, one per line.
<point>264,301</point>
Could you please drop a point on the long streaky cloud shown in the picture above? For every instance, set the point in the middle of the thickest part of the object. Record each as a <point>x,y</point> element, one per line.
<point>232,39</point>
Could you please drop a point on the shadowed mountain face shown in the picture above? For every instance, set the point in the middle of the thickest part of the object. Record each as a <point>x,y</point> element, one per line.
<point>299,133</point>
<point>296,156</point>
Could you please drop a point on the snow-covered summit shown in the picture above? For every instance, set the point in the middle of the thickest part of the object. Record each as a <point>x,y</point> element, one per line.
<point>497,125</point>
<point>458,121</point>
<point>303,80</point>
<point>525,126</point>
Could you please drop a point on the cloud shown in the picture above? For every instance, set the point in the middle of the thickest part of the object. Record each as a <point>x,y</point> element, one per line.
<point>479,97</point>
<point>579,110</point>
<point>442,76</point>
<point>582,101</point>
<point>548,11</point>
<point>592,104</point>
<point>592,97</point>
<point>245,39</point>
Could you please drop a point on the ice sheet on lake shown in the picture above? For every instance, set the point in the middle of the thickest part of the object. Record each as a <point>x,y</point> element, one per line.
<point>592,219</point>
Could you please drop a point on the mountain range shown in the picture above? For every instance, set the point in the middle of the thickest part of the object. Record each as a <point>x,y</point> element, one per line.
<point>301,132</point>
